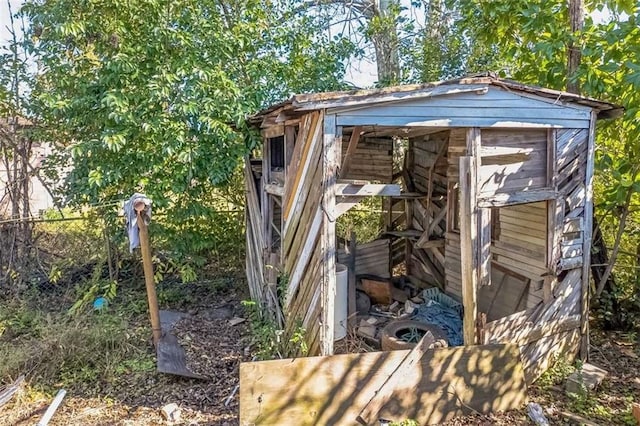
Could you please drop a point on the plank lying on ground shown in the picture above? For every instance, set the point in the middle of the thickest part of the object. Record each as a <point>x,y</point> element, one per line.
<point>8,391</point>
<point>448,382</point>
<point>406,368</point>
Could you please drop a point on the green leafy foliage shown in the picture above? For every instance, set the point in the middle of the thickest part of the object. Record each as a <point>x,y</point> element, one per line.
<point>270,341</point>
<point>533,38</point>
<point>152,96</point>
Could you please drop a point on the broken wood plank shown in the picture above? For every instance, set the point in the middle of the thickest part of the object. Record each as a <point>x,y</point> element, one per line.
<point>273,189</point>
<point>378,290</point>
<point>8,391</point>
<point>519,197</point>
<point>406,368</point>
<point>447,382</point>
<point>351,149</point>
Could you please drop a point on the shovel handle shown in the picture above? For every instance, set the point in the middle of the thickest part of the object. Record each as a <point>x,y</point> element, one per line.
<point>147,266</point>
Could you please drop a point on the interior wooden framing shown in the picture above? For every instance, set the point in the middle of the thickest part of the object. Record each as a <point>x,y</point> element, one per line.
<point>496,213</point>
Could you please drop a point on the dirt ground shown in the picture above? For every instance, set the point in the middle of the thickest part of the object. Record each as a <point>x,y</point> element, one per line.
<point>215,348</point>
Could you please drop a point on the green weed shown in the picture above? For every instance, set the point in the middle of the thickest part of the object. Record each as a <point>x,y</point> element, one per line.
<point>270,341</point>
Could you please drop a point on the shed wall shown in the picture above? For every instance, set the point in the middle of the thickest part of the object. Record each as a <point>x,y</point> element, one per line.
<point>301,253</point>
<point>553,327</point>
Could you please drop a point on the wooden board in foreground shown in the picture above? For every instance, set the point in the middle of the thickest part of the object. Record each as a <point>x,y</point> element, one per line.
<point>332,390</point>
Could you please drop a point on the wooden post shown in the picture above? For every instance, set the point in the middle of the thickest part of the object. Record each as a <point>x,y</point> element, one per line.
<point>468,249</point>
<point>265,202</point>
<point>408,244</point>
<point>586,232</point>
<point>328,238</point>
<point>147,266</point>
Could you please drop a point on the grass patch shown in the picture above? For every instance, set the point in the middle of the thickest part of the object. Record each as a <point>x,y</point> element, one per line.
<point>74,352</point>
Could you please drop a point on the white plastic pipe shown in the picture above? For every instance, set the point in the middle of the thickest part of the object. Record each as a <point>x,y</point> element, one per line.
<point>341,303</point>
<point>44,421</point>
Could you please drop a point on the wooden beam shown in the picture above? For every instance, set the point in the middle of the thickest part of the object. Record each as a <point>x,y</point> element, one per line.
<point>272,131</point>
<point>351,150</point>
<point>274,189</point>
<point>344,204</point>
<point>265,205</point>
<point>368,190</point>
<point>519,197</point>
<point>430,244</point>
<point>328,238</point>
<point>468,248</point>
<point>586,235</point>
<point>447,382</point>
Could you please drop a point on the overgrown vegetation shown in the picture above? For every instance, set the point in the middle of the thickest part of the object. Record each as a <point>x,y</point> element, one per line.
<point>269,339</point>
<point>151,96</point>
<point>611,402</point>
<point>73,351</point>
<point>532,41</point>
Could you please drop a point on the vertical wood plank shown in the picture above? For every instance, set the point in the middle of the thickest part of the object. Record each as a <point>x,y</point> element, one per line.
<point>484,245</point>
<point>552,164</point>
<point>408,244</point>
<point>351,150</point>
<point>328,240</point>
<point>555,217</point>
<point>587,235</point>
<point>264,200</point>
<point>289,144</point>
<point>468,229</point>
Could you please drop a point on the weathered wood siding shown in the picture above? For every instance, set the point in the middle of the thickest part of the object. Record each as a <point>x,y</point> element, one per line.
<point>372,160</point>
<point>302,212</point>
<point>553,327</point>
<point>520,246</point>
<point>571,154</point>
<point>512,160</point>
<point>453,276</point>
<point>255,243</point>
<point>495,108</point>
<point>372,258</point>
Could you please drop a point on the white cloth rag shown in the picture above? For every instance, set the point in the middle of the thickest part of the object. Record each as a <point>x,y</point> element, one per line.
<point>131,218</point>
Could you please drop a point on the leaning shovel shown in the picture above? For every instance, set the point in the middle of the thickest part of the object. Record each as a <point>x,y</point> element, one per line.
<point>171,356</point>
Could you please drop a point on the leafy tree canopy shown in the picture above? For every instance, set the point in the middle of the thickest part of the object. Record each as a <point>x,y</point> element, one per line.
<point>149,95</point>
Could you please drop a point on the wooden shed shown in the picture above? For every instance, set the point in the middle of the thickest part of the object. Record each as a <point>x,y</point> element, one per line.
<point>487,187</point>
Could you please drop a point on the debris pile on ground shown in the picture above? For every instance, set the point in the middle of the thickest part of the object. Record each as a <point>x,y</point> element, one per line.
<point>382,303</point>
<point>214,342</point>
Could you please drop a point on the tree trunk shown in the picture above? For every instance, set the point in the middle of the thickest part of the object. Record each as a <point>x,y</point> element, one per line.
<point>384,36</point>
<point>576,24</point>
